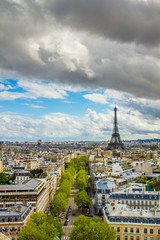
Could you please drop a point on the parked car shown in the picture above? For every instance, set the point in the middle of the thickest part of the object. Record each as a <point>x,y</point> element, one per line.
<point>66,223</point>
<point>73,213</point>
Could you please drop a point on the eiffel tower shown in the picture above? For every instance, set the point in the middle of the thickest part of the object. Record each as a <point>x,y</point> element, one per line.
<point>115,142</point>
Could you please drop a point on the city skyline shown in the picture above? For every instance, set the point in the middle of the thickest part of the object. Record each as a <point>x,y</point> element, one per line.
<point>63,69</point>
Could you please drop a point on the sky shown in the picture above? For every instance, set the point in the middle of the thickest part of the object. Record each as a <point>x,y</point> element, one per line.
<point>65,64</point>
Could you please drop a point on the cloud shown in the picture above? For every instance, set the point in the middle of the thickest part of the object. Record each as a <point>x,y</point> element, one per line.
<point>96,97</point>
<point>33,106</point>
<point>83,44</point>
<point>125,21</point>
<point>91,126</point>
<point>33,90</point>
<point>126,102</point>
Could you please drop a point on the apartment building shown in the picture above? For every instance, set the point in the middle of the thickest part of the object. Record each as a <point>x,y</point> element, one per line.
<point>137,197</point>
<point>13,219</point>
<point>103,189</point>
<point>36,192</point>
<point>22,176</point>
<point>132,224</point>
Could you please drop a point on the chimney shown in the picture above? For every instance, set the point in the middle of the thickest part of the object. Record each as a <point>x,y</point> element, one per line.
<point>112,203</point>
<point>19,208</point>
<point>121,211</point>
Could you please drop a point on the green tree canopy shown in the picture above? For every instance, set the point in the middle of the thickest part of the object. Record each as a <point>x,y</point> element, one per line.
<point>3,178</point>
<point>82,182</point>
<point>82,199</point>
<point>71,170</point>
<point>41,227</point>
<point>67,176</point>
<point>60,202</point>
<point>37,173</point>
<point>82,179</point>
<point>142,179</point>
<point>91,229</point>
<point>66,187</point>
<point>79,163</point>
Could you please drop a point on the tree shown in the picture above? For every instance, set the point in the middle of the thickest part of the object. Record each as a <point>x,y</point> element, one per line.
<point>91,229</point>
<point>3,178</point>
<point>82,199</point>
<point>60,202</point>
<point>12,178</point>
<point>37,173</point>
<point>66,188</point>
<point>41,227</point>
<point>67,176</point>
<point>79,163</point>
<point>142,179</point>
<point>71,170</point>
<point>82,180</point>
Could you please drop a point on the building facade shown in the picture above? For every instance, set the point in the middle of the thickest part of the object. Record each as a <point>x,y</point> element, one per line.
<point>136,197</point>
<point>103,190</point>
<point>13,219</point>
<point>132,224</point>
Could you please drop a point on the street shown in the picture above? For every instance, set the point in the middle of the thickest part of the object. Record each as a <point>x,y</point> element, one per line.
<point>67,229</point>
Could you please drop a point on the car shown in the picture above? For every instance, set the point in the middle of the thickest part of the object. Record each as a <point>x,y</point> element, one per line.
<point>62,216</point>
<point>67,219</point>
<point>73,213</point>
<point>66,223</point>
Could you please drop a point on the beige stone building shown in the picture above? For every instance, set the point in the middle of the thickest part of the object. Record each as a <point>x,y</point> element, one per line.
<point>38,193</point>
<point>132,224</point>
<point>13,219</point>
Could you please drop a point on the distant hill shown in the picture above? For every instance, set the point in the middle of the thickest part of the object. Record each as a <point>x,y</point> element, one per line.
<point>144,140</point>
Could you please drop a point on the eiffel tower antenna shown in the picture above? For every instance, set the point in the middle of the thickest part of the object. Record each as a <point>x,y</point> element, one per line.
<point>115,142</point>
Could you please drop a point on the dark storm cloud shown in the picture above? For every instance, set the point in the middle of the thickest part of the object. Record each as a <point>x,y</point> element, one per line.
<point>37,41</point>
<point>123,20</point>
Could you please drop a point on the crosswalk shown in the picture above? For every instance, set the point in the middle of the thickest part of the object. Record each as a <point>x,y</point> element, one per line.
<point>69,226</point>
<point>65,237</point>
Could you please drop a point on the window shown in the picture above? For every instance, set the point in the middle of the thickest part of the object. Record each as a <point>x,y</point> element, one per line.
<point>137,230</point>
<point>137,238</point>
<point>131,230</point>
<point>145,238</point>
<point>151,238</point>
<point>126,230</point>
<point>145,230</point>
<point>131,238</point>
<point>118,229</point>
<point>118,237</point>
<point>151,231</point>
<point>125,237</point>
<point>158,231</point>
